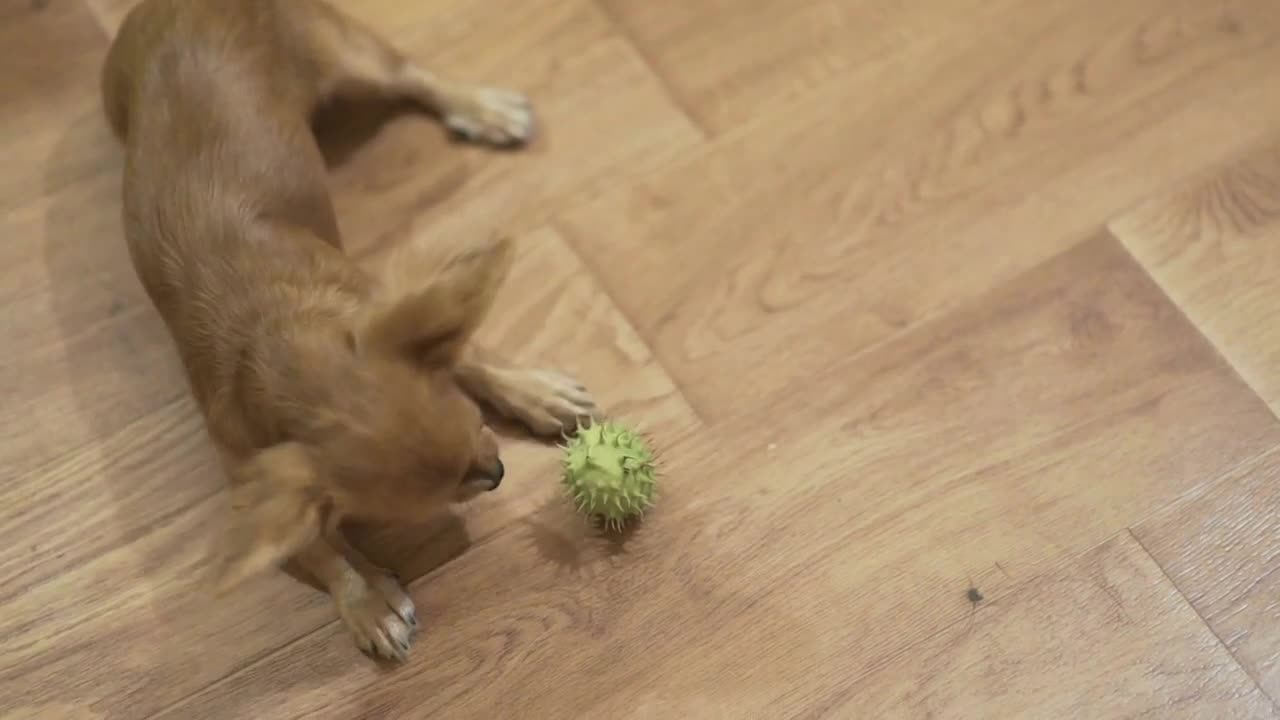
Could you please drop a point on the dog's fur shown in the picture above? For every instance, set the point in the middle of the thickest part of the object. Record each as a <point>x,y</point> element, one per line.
<point>330,392</point>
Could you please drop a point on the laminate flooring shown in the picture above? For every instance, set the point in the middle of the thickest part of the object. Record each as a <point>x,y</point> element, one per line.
<point>952,320</point>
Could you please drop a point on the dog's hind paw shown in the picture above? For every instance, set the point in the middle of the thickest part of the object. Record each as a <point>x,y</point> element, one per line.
<point>491,115</point>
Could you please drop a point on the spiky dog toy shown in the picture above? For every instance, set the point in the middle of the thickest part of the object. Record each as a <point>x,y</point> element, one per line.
<point>609,473</point>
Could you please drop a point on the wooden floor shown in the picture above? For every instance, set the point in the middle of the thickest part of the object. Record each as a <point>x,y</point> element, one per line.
<point>955,321</point>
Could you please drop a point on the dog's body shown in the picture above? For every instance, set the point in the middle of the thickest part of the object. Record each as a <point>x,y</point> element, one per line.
<point>330,392</point>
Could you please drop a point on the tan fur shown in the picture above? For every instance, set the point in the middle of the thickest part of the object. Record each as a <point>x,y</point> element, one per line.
<point>332,393</point>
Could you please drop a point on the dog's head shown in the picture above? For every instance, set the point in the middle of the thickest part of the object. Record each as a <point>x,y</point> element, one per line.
<point>389,435</point>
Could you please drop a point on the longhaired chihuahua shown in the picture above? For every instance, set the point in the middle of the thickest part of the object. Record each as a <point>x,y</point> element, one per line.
<point>331,393</point>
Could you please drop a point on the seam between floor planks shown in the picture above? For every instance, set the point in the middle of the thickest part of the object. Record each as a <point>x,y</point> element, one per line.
<point>1257,684</point>
<point>676,99</point>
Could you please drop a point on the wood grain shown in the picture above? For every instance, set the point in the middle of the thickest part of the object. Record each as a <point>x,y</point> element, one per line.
<point>936,484</point>
<point>51,131</point>
<point>1103,636</point>
<point>149,496</point>
<point>551,314</point>
<point>732,63</point>
<point>1222,550</point>
<point>566,56</point>
<point>728,60</point>
<point>1214,246</point>
<point>945,171</point>
<point>108,440</point>
<point>85,354</point>
<point>845,261</point>
<point>105,494</point>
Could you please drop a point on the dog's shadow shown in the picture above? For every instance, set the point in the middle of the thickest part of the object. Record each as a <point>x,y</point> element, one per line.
<point>410,551</point>
<point>574,544</point>
<point>607,571</point>
<point>345,128</point>
<point>388,164</point>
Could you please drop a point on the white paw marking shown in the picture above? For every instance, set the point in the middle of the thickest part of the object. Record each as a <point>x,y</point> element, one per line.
<point>491,115</point>
<point>551,403</point>
<point>381,617</point>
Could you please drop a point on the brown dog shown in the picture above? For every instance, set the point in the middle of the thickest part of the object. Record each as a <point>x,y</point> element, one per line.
<point>331,393</point>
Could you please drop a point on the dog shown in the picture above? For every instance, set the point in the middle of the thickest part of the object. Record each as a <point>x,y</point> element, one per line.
<point>331,393</point>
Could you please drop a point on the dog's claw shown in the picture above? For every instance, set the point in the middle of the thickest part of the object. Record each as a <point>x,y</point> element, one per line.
<point>381,617</point>
<point>409,617</point>
<point>549,403</point>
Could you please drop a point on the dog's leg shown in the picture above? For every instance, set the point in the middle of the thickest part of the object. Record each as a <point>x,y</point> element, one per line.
<point>377,611</point>
<point>546,402</point>
<point>354,60</point>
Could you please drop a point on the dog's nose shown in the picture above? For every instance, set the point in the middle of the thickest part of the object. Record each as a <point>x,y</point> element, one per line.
<point>498,471</point>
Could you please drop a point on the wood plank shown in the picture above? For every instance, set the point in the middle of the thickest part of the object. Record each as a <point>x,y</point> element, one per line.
<point>820,233</point>
<point>108,441</point>
<point>135,627</point>
<point>106,582</point>
<point>101,438</point>
<point>84,354</point>
<point>868,501</point>
<point>52,131</point>
<point>1222,549</point>
<point>734,63</point>
<point>1214,246</point>
<point>933,396</point>
<point>103,495</point>
<point>727,61</point>
<point>568,58</point>
<point>1104,636</point>
<point>57,362</point>
<point>565,54</point>
<point>552,314</point>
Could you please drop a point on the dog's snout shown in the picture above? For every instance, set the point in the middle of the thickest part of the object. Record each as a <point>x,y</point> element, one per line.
<point>498,471</point>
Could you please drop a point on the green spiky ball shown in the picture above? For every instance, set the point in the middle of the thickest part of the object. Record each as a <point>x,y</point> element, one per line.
<point>609,473</point>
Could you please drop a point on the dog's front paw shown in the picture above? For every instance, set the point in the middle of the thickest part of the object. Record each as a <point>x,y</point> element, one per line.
<point>546,402</point>
<point>380,616</point>
<point>491,115</point>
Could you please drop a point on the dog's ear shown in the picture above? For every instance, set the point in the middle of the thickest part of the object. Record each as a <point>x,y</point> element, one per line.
<point>277,508</point>
<point>434,304</point>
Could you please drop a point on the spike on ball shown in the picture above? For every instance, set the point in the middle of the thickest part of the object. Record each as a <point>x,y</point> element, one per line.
<point>609,473</point>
